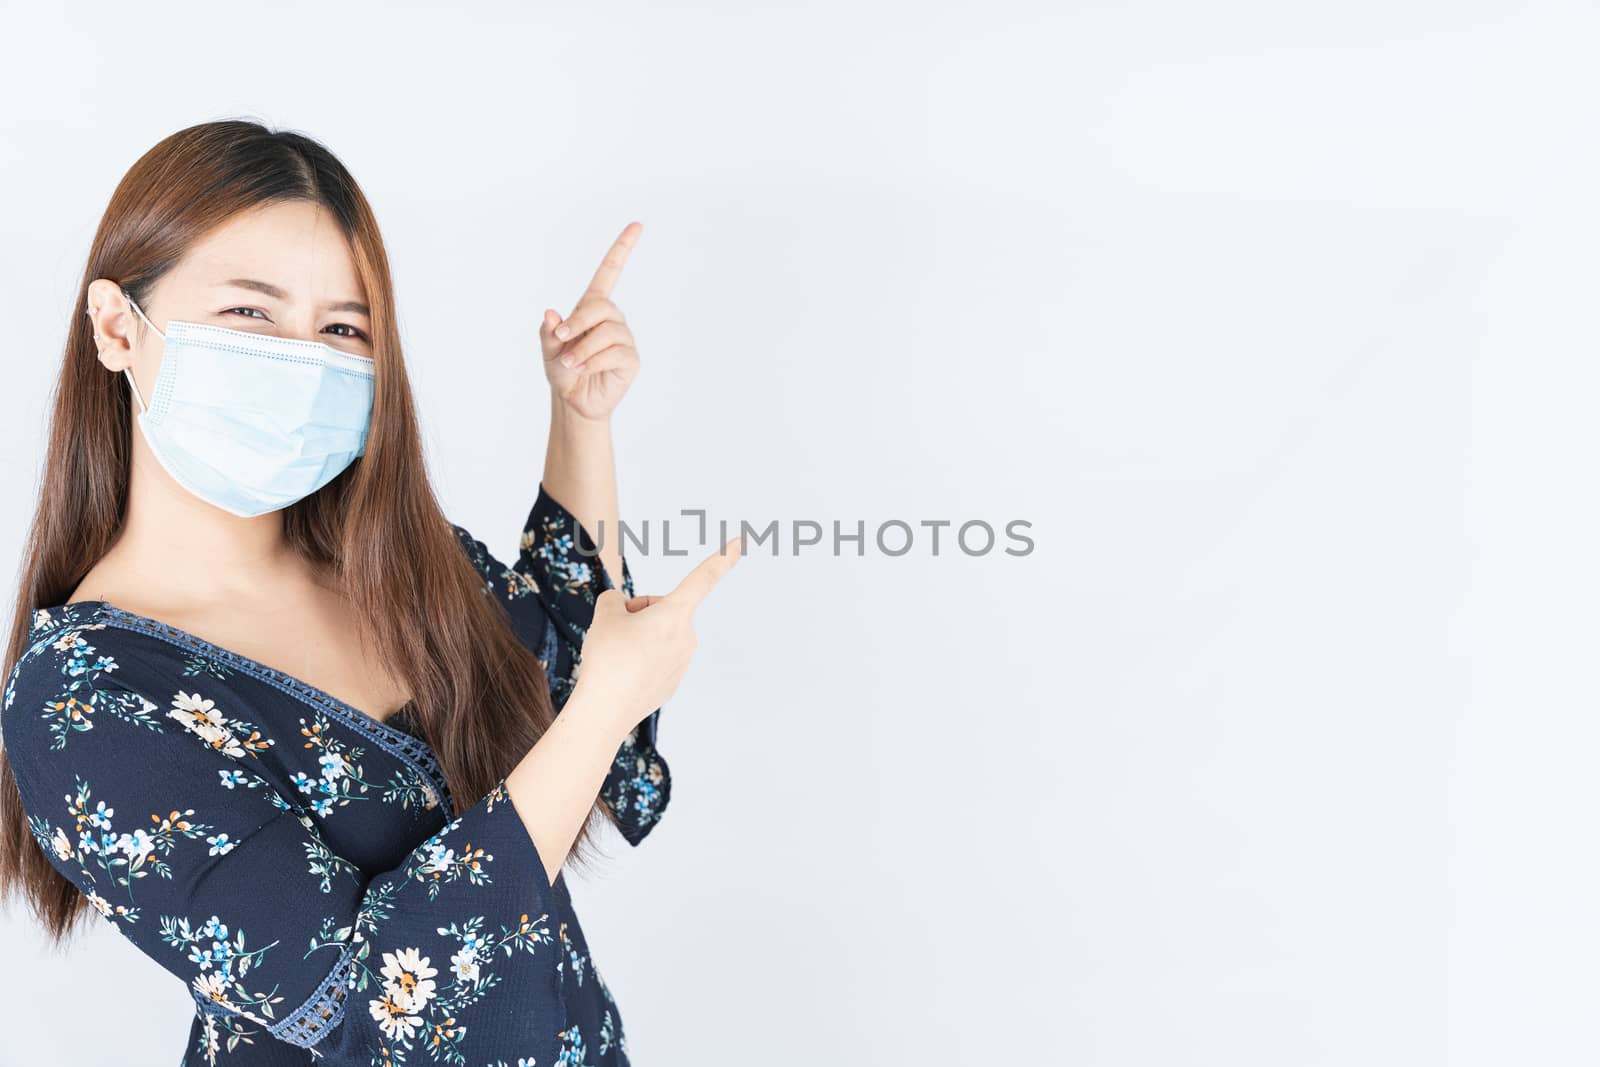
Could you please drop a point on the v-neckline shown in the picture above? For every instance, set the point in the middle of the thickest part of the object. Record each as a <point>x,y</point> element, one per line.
<point>249,664</point>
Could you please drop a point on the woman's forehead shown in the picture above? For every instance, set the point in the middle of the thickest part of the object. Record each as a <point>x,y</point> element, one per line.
<point>295,251</point>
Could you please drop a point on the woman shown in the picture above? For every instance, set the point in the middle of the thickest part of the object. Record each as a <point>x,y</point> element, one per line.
<point>301,739</point>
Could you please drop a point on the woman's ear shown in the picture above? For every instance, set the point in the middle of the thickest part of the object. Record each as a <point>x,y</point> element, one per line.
<point>111,320</point>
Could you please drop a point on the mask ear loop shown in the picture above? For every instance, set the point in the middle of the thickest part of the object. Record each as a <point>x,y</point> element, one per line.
<point>127,372</point>
<point>135,387</point>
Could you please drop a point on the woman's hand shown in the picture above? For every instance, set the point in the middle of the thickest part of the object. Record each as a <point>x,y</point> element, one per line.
<point>636,651</point>
<point>589,356</point>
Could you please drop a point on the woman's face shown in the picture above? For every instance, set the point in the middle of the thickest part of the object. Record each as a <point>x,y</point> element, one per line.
<point>284,269</point>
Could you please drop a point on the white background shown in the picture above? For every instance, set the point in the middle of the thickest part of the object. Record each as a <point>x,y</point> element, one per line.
<point>1274,320</point>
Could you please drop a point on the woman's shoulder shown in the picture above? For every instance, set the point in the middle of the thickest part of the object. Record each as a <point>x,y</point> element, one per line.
<point>81,668</point>
<point>93,639</point>
<point>72,641</point>
<point>43,622</point>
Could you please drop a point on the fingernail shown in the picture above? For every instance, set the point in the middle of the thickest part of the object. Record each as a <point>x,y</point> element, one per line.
<point>566,361</point>
<point>563,332</point>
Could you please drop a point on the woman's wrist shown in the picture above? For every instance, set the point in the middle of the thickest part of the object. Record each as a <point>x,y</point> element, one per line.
<point>564,418</point>
<point>602,709</point>
<point>580,472</point>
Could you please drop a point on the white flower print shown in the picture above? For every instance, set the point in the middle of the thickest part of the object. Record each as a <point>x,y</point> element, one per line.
<point>211,1040</point>
<point>439,859</point>
<point>213,987</point>
<point>333,765</point>
<point>393,1019</point>
<point>202,717</point>
<point>407,987</point>
<point>465,964</point>
<point>63,844</point>
<point>100,818</point>
<point>136,846</point>
<point>408,978</point>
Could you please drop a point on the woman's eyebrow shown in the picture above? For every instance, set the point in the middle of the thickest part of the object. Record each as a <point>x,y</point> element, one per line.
<point>278,294</point>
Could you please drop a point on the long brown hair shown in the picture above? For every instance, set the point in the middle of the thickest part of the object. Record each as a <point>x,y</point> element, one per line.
<point>481,696</point>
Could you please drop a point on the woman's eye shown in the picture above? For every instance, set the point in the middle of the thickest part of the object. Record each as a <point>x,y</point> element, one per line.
<point>258,313</point>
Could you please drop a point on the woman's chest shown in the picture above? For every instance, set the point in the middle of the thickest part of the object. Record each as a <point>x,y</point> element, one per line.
<point>300,629</point>
<point>372,791</point>
<point>370,803</point>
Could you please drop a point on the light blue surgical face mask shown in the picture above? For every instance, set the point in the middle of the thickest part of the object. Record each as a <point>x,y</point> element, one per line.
<point>253,423</point>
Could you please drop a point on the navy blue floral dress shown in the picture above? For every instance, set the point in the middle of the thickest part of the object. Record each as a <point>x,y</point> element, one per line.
<point>289,856</point>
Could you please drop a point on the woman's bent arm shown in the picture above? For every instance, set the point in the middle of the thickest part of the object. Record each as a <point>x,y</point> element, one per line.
<point>553,787</point>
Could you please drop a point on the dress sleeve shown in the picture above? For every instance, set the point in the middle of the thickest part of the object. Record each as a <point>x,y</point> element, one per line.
<point>147,796</point>
<point>550,592</point>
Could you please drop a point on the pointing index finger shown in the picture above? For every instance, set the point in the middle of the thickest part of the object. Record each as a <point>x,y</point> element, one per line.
<point>605,278</point>
<point>698,582</point>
